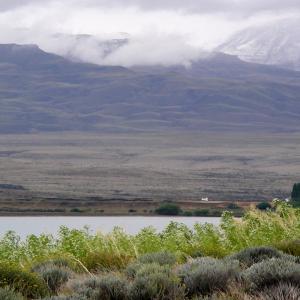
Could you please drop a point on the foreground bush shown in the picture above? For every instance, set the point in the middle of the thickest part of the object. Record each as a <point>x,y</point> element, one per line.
<point>160,258</point>
<point>270,273</point>
<point>54,276</point>
<point>205,275</point>
<point>28,284</point>
<point>6,294</point>
<point>157,282</point>
<point>109,287</point>
<point>280,292</point>
<point>251,256</point>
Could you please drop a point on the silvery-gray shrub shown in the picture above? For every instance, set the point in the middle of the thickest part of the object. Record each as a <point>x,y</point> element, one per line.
<point>270,273</point>
<point>205,275</point>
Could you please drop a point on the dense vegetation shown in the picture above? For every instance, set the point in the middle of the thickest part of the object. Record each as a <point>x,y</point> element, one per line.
<point>255,257</point>
<point>173,209</point>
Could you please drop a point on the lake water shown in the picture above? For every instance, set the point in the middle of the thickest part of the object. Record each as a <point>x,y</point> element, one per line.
<point>37,225</point>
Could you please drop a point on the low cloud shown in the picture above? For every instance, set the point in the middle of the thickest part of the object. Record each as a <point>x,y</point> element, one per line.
<point>155,50</point>
<point>157,32</point>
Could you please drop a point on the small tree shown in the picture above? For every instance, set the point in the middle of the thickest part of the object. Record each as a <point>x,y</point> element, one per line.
<point>296,192</point>
<point>168,209</point>
<point>232,206</point>
<point>263,205</point>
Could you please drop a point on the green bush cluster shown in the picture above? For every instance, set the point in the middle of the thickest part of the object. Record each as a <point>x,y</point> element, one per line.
<point>168,209</point>
<point>172,209</point>
<point>30,285</point>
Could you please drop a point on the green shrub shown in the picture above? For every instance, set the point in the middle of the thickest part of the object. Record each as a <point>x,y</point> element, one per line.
<point>76,210</point>
<point>282,291</point>
<point>290,247</point>
<point>251,256</point>
<point>270,273</point>
<point>187,213</point>
<point>205,275</point>
<point>6,294</point>
<point>28,284</point>
<point>197,254</point>
<point>263,205</point>
<point>108,287</point>
<point>201,212</point>
<point>157,282</point>
<point>168,209</point>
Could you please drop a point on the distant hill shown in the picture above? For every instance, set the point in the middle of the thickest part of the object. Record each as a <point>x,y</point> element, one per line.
<point>276,43</point>
<point>45,92</point>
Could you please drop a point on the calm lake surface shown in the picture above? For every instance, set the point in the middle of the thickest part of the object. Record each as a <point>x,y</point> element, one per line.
<point>37,225</point>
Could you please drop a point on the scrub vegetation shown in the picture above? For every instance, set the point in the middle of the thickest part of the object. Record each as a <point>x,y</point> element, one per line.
<point>256,257</point>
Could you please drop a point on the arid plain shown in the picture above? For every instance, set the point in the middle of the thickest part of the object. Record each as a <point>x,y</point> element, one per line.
<point>82,169</point>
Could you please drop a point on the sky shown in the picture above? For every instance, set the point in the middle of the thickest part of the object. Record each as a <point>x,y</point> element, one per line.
<point>158,31</point>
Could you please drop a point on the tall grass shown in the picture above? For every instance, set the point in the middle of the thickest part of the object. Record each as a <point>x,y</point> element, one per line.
<point>118,248</point>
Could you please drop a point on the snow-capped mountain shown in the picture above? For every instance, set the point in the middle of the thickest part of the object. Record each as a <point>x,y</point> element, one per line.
<point>277,43</point>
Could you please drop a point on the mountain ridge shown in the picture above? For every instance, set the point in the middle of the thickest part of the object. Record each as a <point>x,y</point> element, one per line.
<point>40,91</point>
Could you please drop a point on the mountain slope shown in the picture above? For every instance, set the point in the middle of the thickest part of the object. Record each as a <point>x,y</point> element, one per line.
<point>277,43</point>
<point>44,92</point>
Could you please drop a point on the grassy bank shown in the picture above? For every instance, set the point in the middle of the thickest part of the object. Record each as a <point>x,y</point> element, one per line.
<point>250,257</point>
<point>84,207</point>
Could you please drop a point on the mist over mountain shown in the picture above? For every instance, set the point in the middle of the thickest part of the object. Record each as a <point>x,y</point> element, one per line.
<point>275,43</point>
<point>86,47</point>
<point>45,92</point>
